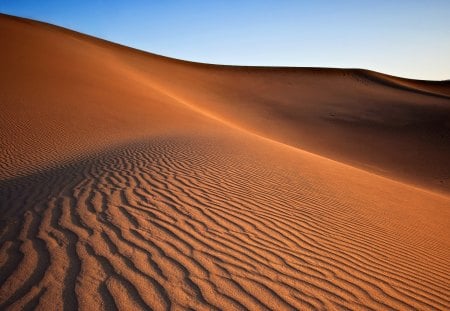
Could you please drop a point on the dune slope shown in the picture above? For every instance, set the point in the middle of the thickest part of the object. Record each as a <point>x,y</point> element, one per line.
<point>134,181</point>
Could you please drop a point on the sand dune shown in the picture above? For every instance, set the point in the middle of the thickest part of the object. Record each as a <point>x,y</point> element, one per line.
<point>133,181</point>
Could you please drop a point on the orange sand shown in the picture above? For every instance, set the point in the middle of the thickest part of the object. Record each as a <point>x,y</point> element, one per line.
<point>133,181</point>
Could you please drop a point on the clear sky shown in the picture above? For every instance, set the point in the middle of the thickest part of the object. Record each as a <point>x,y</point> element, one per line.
<point>408,38</point>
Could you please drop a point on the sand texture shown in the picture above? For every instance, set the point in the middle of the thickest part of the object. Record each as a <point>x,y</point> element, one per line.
<point>132,181</point>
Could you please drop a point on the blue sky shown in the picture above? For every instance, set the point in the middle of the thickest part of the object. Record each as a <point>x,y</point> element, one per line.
<point>405,38</point>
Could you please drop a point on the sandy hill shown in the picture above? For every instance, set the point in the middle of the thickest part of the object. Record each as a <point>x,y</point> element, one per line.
<point>134,181</point>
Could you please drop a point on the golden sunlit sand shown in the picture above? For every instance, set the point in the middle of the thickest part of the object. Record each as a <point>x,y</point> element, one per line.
<point>132,181</point>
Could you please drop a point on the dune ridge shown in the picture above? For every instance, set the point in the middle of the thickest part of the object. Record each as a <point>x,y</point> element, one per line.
<point>131,181</point>
<point>402,124</point>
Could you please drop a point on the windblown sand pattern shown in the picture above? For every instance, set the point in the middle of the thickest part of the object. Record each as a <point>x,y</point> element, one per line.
<point>135,182</point>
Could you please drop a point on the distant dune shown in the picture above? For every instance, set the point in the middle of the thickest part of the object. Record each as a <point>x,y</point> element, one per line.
<point>134,181</point>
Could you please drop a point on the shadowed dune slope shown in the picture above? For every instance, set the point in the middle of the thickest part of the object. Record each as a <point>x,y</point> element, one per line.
<point>131,181</point>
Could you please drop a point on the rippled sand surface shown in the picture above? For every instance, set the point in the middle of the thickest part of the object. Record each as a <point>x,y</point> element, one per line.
<point>130,181</point>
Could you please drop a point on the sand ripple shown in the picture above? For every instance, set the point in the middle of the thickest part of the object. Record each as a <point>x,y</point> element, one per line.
<point>178,223</point>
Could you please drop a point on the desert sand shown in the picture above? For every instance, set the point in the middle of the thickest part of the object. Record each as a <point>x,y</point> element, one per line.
<point>132,181</point>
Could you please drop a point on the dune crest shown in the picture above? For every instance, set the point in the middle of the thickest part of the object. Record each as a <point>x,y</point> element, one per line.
<point>131,181</point>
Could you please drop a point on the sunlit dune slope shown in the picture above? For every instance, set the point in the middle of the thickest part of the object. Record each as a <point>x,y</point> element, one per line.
<point>131,181</point>
<point>63,95</point>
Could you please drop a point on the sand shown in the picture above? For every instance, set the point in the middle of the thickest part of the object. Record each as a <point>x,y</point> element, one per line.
<point>132,181</point>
